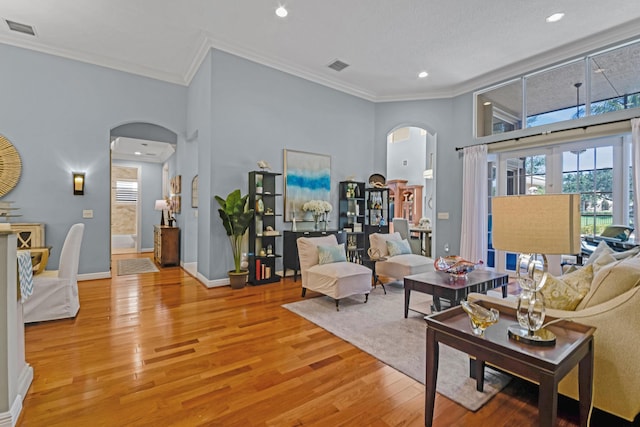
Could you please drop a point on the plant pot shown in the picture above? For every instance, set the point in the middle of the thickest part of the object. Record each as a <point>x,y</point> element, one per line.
<point>238,280</point>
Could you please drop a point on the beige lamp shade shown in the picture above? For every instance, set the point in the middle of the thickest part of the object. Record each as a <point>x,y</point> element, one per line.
<point>544,224</point>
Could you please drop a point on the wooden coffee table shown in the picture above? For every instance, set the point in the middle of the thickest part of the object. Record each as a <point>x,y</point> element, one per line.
<point>543,365</point>
<point>439,285</point>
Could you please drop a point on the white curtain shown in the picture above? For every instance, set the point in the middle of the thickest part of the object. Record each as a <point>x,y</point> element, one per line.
<point>473,236</point>
<point>635,163</point>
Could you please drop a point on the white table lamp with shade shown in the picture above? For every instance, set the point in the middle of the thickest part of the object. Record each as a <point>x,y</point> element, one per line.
<point>535,226</point>
<point>161,205</point>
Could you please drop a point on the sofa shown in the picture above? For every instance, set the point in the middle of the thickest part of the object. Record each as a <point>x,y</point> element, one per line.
<point>604,293</point>
<point>399,260</point>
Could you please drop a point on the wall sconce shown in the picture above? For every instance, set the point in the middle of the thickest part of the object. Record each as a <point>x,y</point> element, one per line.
<point>78,183</point>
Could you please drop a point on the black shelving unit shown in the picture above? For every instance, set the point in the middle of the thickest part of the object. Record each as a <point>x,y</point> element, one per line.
<point>376,218</point>
<point>351,218</point>
<point>263,234</point>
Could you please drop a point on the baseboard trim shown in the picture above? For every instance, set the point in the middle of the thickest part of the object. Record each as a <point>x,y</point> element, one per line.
<point>94,276</point>
<point>212,283</point>
<point>9,419</point>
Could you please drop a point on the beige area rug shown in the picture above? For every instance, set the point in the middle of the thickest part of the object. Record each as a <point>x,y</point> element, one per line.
<point>379,328</point>
<point>136,266</point>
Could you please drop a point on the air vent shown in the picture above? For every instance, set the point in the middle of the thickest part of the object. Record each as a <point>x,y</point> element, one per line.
<point>21,28</point>
<point>338,65</point>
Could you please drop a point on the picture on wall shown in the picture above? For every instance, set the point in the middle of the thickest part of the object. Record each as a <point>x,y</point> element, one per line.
<point>307,176</point>
<point>194,192</point>
<point>176,184</point>
<point>176,203</point>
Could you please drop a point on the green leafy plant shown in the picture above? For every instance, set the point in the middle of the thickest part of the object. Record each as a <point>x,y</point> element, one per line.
<point>236,217</point>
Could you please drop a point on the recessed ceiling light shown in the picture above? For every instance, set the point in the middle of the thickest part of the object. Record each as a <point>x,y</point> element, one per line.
<point>137,153</point>
<point>599,70</point>
<point>555,17</point>
<point>487,103</point>
<point>281,12</point>
<point>423,74</point>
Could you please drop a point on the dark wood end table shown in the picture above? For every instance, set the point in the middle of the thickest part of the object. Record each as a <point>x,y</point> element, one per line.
<point>438,284</point>
<point>544,365</point>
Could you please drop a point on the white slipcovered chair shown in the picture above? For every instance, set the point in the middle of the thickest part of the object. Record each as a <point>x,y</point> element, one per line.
<point>330,275</point>
<point>396,265</point>
<point>55,293</point>
<point>401,225</point>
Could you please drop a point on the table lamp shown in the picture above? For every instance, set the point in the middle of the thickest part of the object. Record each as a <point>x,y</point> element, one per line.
<point>161,205</point>
<point>535,226</point>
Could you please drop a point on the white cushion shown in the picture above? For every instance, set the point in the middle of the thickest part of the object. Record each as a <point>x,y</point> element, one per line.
<point>612,280</point>
<point>339,279</point>
<point>400,266</point>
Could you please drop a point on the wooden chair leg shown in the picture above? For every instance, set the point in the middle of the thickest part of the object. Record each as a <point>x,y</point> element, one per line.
<point>337,305</point>
<point>304,292</point>
<point>366,298</point>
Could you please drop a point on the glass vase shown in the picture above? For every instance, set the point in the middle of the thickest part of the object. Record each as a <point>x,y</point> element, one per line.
<point>530,311</point>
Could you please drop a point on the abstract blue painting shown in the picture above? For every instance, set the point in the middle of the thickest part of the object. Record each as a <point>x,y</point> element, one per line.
<point>307,176</point>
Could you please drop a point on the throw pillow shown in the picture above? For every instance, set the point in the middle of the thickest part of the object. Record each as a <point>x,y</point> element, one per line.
<point>398,247</point>
<point>329,254</point>
<point>612,280</point>
<point>601,249</point>
<point>565,293</point>
<point>379,242</point>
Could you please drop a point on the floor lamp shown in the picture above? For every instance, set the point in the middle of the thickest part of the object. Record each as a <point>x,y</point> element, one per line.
<point>535,226</point>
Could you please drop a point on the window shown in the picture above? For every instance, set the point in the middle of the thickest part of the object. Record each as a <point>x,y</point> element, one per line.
<point>595,84</point>
<point>589,172</point>
<point>599,170</point>
<point>126,191</point>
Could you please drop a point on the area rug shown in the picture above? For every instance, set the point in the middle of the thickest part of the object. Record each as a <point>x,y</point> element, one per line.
<point>136,266</point>
<point>380,329</point>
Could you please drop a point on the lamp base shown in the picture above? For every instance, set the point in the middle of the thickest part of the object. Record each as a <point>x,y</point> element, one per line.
<point>541,337</point>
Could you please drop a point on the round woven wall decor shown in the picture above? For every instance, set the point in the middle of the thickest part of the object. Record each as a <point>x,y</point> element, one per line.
<point>10,166</point>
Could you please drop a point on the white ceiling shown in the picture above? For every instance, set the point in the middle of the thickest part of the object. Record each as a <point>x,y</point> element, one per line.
<point>141,150</point>
<point>463,44</point>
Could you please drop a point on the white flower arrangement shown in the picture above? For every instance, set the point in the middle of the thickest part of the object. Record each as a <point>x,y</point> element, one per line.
<point>317,207</point>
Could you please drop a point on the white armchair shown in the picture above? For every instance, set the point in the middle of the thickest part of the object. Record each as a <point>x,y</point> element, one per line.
<point>337,279</point>
<point>55,293</point>
<point>401,225</point>
<point>396,266</point>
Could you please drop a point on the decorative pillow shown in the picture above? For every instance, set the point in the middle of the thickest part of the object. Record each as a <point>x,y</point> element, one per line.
<point>398,247</point>
<point>378,241</point>
<point>565,293</point>
<point>613,280</point>
<point>329,254</point>
<point>602,248</point>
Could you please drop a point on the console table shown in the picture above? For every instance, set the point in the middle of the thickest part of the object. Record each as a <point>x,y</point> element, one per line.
<point>290,259</point>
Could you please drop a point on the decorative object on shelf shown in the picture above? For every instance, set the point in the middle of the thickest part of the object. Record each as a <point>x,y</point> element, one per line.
<point>535,226</point>
<point>319,209</point>
<point>377,181</point>
<point>236,217</point>
<point>262,164</point>
<point>293,224</point>
<point>306,176</point>
<point>194,192</point>
<point>456,266</point>
<point>480,317</point>
<point>6,212</point>
<point>10,166</point>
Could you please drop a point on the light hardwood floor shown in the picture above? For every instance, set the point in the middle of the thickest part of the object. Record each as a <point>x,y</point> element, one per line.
<point>160,349</point>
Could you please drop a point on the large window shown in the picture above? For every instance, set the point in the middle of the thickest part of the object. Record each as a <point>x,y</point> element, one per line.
<point>599,170</point>
<point>595,84</point>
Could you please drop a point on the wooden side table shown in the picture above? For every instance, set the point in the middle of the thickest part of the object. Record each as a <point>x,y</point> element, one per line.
<point>544,365</point>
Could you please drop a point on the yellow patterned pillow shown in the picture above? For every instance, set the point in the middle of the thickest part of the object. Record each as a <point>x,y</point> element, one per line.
<point>566,292</point>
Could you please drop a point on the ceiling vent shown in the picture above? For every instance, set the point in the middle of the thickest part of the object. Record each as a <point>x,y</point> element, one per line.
<point>21,28</point>
<point>338,65</point>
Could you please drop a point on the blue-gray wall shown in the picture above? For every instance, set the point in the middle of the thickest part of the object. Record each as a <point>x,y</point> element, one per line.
<point>253,113</point>
<point>58,113</point>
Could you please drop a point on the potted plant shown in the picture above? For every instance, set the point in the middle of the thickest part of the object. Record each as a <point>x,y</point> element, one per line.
<point>236,217</point>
